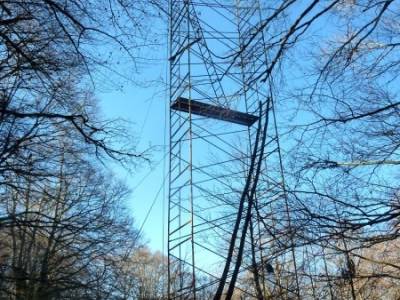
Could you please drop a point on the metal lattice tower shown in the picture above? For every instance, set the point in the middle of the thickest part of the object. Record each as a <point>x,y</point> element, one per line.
<point>228,219</point>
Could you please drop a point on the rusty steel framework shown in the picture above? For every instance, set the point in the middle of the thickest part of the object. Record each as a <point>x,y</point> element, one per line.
<point>228,216</point>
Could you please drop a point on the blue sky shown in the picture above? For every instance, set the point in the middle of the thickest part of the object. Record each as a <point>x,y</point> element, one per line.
<point>146,109</point>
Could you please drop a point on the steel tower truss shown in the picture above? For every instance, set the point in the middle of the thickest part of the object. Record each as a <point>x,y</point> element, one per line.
<point>228,219</point>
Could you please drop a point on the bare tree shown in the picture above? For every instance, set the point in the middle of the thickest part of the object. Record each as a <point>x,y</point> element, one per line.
<point>143,275</point>
<point>63,224</point>
<point>332,68</point>
<point>65,235</point>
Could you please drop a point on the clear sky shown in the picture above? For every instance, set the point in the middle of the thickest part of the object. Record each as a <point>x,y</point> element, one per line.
<point>146,108</point>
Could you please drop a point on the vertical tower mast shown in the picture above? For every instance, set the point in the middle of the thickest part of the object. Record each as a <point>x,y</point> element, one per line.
<point>181,274</point>
<point>222,134</point>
